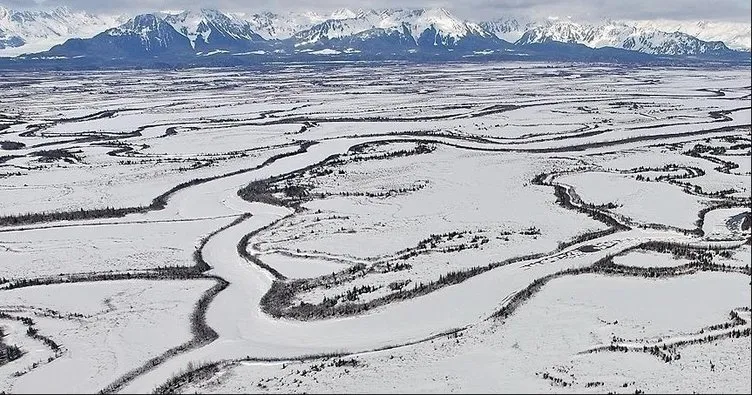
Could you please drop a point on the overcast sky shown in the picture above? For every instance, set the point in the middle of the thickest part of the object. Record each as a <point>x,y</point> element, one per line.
<point>718,10</point>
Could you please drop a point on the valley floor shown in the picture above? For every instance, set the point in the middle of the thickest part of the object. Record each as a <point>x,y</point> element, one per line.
<point>504,227</point>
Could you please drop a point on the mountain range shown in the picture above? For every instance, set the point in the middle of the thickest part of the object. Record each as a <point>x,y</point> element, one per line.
<point>363,33</point>
<point>34,31</point>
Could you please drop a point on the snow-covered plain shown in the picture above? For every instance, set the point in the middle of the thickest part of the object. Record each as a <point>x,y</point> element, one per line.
<point>548,334</point>
<point>119,325</point>
<point>391,205</point>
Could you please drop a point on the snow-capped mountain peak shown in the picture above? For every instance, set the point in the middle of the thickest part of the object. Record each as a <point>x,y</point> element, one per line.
<point>34,30</point>
<point>189,23</point>
<point>619,34</point>
<point>154,33</point>
<point>432,26</point>
<point>444,23</point>
<point>280,26</point>
<point>273,26</point>
<point>735,35</point>
<point>206,26</point>
<point>343,13</point>
<point>509,28</point>
<point>142,24</point>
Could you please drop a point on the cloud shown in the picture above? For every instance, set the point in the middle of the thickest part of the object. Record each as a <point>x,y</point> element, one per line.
<point>727,10</point>
<point>718,10</point>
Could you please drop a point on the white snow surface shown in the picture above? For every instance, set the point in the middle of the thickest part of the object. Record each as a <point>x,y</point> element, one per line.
<point>571,314</point>
<point>122,325</point>
<point>495,138</point>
